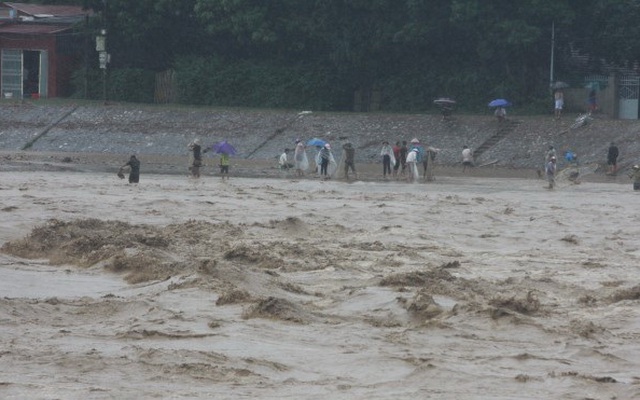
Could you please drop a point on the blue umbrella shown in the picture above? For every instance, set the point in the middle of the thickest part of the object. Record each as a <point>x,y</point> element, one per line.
<point>316,142</point>
<point>224,148</point>
<point>499,103</point>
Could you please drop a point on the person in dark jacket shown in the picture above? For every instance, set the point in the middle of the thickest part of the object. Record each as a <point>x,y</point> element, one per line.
<point>134,169</point>
<point>404,151</point>
<point>196,148</point>
<point>612,158</point>
<point>349,160</point>
<point>325,159</point>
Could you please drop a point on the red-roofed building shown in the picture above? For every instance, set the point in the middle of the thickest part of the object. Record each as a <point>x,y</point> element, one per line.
<point>39,49</point>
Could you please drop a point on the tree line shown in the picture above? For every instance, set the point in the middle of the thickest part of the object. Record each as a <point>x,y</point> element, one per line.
<point>319,54</point>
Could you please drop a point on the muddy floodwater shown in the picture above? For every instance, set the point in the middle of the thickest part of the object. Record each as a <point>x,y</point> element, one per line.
<point>463,288</point>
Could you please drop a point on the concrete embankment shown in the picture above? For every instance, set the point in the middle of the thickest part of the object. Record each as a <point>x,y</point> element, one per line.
<point>156,131</point>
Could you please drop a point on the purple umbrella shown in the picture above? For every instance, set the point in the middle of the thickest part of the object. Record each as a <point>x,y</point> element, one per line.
<point>224,148</point>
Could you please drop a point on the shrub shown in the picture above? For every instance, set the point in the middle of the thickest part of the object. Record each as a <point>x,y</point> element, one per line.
<point>129,85</point>
<point>241,83</point>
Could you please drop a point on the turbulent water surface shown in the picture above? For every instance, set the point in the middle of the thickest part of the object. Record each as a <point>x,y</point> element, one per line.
<point>465,288</point>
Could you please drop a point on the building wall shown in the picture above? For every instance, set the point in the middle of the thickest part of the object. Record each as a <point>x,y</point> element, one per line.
<point>40,43</point>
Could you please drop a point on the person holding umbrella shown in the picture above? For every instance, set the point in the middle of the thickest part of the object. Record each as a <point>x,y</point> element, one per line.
<point>319,145</point>
<point>558,97</point>
<point>501,111</point>
<point>446,106</point>
<point>559,103</point>
<point>446,111</point>
<point>225,150</point>
<point>224,166</point>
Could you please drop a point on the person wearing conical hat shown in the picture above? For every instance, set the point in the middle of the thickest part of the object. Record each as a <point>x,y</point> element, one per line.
<point>412,165</point>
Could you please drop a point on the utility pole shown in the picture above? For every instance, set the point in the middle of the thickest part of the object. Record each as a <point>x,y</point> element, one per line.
<point>87,52</point>
<point>101,48</point>
<point>103,57</point>
<point>553,45</point>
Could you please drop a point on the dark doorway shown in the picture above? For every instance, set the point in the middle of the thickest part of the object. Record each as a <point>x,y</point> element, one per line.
<point>30,73</point>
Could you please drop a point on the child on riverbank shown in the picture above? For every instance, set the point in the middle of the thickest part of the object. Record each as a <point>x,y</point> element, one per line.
<point>224,166</point>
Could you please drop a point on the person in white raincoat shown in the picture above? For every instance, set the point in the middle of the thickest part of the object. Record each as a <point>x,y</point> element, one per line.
<point>317,160</point>
<point>300,160</point>
<point>412,165</point>
<point>388,159</point>
<point>328,163</point>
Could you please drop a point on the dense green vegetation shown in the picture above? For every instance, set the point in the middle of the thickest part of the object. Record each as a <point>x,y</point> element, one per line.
<point>395,55</point>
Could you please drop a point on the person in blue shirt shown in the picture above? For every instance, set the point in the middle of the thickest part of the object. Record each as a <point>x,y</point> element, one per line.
<point>571,157</point>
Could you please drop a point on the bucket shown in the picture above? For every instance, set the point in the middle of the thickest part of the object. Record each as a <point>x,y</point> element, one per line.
<point>35,96</point>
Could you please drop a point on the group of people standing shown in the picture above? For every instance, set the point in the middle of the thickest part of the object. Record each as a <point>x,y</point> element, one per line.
<point>550,165</point>
<point>133,165</point>
<point>402,159</point>
<point>612,162</point>
<point>196,163</point>
<point>324,160</point>
<point>612,152</point>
